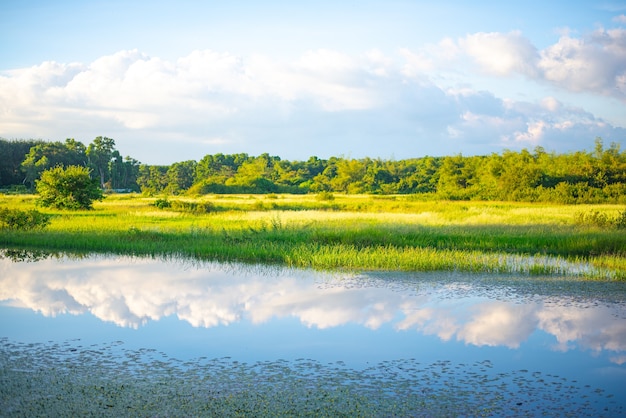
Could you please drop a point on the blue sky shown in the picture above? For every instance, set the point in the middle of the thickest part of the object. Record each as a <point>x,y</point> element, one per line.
<point>172,81</point>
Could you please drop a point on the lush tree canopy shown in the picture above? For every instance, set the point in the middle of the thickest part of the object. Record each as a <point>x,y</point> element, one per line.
<point>537,175</point>
<point>579,177</point>
<point>22,162</point>
<point>12,155</point>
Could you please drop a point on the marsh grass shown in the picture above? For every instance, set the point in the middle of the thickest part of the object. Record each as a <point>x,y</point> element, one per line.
<point>347,232</point>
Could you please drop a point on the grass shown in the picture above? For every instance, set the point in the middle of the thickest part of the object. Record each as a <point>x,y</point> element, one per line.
<point>348,232</point>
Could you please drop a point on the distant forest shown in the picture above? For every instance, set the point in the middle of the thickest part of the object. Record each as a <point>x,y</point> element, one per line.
<point>535,176</point>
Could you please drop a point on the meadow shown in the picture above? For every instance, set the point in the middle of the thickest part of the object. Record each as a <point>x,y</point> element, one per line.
<point>347,232</point>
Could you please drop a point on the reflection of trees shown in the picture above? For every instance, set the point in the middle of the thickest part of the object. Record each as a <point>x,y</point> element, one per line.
<point>21,255</point>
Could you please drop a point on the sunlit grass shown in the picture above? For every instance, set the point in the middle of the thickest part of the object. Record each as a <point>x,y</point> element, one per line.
<point>349,232</point>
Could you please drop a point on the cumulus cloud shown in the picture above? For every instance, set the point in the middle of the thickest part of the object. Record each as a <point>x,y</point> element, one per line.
<point>515,124</point>
<point>596,63</point>
<point>501,54</point>
<point>326,101</point>
<point>593,63</point>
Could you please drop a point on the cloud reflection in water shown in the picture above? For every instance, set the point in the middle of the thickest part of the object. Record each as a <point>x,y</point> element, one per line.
<point>132,291</point>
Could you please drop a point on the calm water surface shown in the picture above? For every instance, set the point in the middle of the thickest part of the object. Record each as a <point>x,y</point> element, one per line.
<point>437,343</point>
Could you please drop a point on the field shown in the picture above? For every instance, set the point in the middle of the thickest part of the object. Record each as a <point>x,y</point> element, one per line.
<point>352,232</point>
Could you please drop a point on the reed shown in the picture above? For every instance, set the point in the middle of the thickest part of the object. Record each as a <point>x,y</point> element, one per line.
<point>359,232</point>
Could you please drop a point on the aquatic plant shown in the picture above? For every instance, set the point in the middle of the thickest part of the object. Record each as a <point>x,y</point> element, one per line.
<point>69,379</point>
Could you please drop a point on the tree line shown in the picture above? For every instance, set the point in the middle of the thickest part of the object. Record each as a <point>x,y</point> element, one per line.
<point>24,161</point>
<point>538,175</point>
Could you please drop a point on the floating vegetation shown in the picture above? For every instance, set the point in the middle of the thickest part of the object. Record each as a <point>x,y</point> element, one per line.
<point>68,379</point>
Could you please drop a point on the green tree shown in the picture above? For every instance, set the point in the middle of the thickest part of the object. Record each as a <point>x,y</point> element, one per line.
<point>457,175</point>
<point>254,174</point>
<point>68,188</point>
<point>123,173</point>
<point>100,154</point>
<point>349,176</point>
<point>180,176</point>
<point>12,155</point>
<point>51,154</point>
<point>152,179</point>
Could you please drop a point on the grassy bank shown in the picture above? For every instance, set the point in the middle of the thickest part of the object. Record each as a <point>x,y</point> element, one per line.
<point>347,232</point>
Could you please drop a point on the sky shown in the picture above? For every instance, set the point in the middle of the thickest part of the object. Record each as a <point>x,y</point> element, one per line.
<point>171,81</point>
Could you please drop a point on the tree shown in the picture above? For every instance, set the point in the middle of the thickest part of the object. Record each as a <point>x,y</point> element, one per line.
<point>11,156</point>
<point>68,188</point>
<point>152,179</point>
<point>100,154</point>
<point>180,176</point>
<point>46,155</point>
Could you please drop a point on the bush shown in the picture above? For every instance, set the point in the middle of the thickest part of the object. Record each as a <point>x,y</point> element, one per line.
<point>602,220</point>
<point>68,188</point>
<point>23,220</point>
<point>162,203</point>
<point>183,206</point>
<point>620,221</point>
<point>325,196</point>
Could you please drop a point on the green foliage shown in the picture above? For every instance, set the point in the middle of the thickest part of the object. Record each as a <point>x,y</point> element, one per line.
<point>538,176</point>
<point>15,189</point>
<point>598,176</point>
<point>193,207</point>
<point>51,154</point>
<point>68,188</point>
<point>602,219</point>
<point>12,155</point>
<point>352,232</point>
<point>620,221</point>
<point>23,220</point>
<point>162,203</point>
<point>24,161</point>
<point>325,196</point>
<point>100,152</point>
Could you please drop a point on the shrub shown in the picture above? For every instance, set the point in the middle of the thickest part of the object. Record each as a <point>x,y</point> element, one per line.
<point>23,220</point>
<point>325,196</point>
<point>162,203</point>
<point>620,221</point>
<point>602,220</point>
<point>68,188</point>
<point>183,206</point>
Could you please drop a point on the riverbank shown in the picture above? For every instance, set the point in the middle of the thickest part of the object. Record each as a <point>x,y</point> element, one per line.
<point>342,232</point>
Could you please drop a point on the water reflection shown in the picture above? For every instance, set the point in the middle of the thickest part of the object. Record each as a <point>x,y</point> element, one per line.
<point>131,292</point>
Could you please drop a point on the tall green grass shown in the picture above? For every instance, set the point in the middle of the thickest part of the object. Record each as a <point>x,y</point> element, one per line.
<point>360,233</point>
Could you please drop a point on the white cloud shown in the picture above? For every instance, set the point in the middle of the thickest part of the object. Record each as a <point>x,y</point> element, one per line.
<point>416,63</point>
<point>501,54</point>
<point>371,104</point>
<point>515,124</point>
<point>596,63</point>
